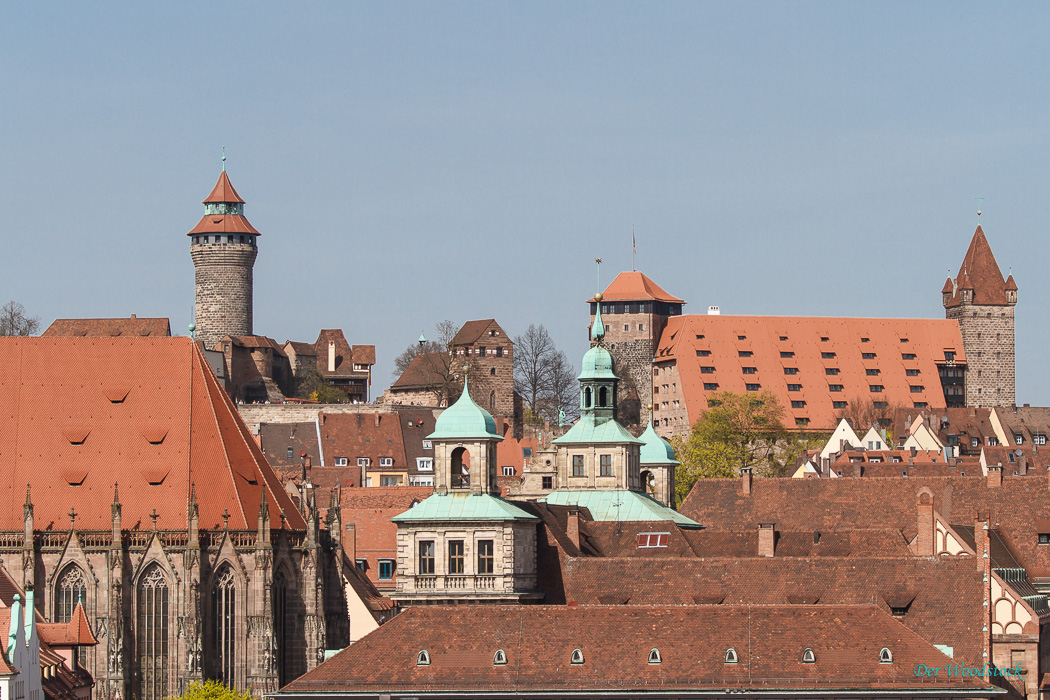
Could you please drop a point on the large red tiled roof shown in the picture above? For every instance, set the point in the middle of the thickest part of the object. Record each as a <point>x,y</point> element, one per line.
<point>355,435</point>
<point>223,223</point>
<point>132,326</point>
<point>636,286</point>
<point>472,331</point>
<point>980,272</point>
<point>223,191</point>
<point>81,414</point>
<point>780,342</point>
<point>426,371</point>
<point>616,642</point>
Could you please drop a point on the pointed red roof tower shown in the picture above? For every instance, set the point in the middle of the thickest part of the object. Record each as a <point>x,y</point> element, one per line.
<point>223,247</point>
<point>983,304</point>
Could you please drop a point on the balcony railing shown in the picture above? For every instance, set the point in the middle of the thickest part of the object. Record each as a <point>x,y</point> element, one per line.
<point>455,582</point>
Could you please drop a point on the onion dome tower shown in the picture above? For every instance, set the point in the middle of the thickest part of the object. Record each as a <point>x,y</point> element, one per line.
<point>223,247</point>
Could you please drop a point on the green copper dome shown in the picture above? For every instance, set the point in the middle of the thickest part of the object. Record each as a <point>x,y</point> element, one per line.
<point>655,450</point>
<point>597,364</point>
<point>465,419</point>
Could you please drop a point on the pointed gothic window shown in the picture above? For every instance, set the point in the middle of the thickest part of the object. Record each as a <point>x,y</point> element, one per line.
<point>280,624</point>
<point>71,589</point>
<point>224,624</point>
<point>152,634</point>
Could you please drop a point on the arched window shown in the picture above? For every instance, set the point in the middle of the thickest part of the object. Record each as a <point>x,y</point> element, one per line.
<point>423,658</point>
<point>460,468</point>
<point>603,396</point>
<point>885,656</point>
<point>808,657</point>
<point>587,397</point>
<point>224,624</point>
<point>577,657</point>
<point>654,656</point>
<point>280,625</point>
<point>499,658</point>
<point>731,657</point>
<point>492,400</point>
<point>71,589</point>
<point>151,634</point>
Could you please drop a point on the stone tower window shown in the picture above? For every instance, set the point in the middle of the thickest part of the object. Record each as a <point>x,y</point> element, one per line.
<point>152,634</point>
<point>224,623</point>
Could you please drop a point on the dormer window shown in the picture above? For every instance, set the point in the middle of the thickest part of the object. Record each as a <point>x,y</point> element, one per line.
<point>576,658</point>
<point>885,656</point>
<point>499,658</point>
<point>423,658</point>
<point>654,656</point>
<point>808,657</point>
<point>731,657</point>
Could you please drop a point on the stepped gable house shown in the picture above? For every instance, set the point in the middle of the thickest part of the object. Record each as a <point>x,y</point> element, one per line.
<point>133,486</point>
<point>816,366</point>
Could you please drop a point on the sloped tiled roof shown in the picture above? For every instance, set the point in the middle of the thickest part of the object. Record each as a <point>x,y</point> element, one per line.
<point>223,191</point>
<point>728,339</point>
<point>223,223</point>
<point>345,356</point>
<point>472,331</point>
<point>76,632</point>
<point>616,641</point>
<point>82,414</point>
<point>636,286</point>
<point>360,434</point>
<point>132,327</point>
<point>980,272</point>
<point>426,371</point>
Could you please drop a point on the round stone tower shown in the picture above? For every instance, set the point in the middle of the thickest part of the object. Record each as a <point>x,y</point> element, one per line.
<point>223,248</point>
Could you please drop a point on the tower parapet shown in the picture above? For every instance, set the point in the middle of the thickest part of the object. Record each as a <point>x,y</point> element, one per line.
<point>223,247</point>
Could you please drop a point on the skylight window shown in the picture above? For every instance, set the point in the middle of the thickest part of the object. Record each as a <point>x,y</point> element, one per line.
<point>808,657</point>
<point>500,658</point>
<point>423,658</point>
<point>731,657</point>
<point>576,658</point>
<point>885,656</point>
<point>654,656</point>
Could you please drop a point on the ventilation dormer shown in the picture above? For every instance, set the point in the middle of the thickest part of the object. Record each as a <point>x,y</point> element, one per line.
<point>808,657</point>
<point>499,658</point>
<point>885,656</point>
<point>423,658</point>
<point>654,656</point>
<point>576,658</point>
<point>731,657</point>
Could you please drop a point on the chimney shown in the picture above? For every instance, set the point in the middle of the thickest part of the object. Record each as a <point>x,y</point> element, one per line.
<point>745,480</point>
<point>766,536</point>
<point>984,562</point>
<point>995,476</point>
<point>331,355</point>
<point>133,316</point>
<point>925,537</point>
<point>572,527</point>
<point>350,542</point>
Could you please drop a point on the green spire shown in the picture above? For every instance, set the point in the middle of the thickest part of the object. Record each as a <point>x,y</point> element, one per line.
<point>598,328</point>
<point>422,338</point>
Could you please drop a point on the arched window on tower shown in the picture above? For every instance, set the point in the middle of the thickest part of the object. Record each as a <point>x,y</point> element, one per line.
<point>603,396</point>
<point>460,468</point>
<point>587,397</point>
<point>151,634</point>
<point>492,401</point>
<point>224,624</point>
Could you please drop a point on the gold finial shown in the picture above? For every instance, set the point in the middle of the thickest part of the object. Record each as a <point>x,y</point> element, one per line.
<point>598,296</point>
<point>650,407</point>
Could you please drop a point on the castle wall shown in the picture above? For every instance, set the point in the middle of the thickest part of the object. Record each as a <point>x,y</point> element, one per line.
<point>988,340</point>
<point>223,290</point>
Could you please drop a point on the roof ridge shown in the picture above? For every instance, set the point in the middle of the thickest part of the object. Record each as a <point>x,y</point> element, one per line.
<point>213,413</point>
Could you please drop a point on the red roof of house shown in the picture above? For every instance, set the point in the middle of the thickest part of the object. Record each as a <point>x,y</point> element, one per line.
<point>223,191</point>
<point>81,414</point>
<point>635,286</point>
<point>616,644</point>
<point>108,327</point>
<point>426,371</point>
<point>472,331</point>
<point>360,434</point>
<point>811,345</point>
<point>76,632</point>
<point>980,272</point>
<point>345,356</point>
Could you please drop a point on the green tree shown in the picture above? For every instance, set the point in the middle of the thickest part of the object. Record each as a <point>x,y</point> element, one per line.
<point>736,431</point>
<point>313,386</point>
<point>212,690</point>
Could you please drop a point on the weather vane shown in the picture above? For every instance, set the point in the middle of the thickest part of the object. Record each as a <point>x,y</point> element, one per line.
<point>224,158</point>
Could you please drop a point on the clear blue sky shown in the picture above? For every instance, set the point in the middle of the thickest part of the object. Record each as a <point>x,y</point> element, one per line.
<point>409,162</point>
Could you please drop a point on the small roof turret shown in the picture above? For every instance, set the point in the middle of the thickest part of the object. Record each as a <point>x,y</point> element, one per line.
<point>949,287</point>
<point>655,450</point>
<point>1011,286</point>
<point>465,420</point>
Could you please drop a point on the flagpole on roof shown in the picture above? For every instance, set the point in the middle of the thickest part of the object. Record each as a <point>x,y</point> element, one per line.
<point>634,249</point>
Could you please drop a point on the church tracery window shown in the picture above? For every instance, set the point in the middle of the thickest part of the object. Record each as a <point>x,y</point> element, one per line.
<point>72,588</point>
<point>224,624</point>
<point>152,634</point>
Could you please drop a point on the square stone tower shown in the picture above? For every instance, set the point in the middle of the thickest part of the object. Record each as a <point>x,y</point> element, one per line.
<point>983,304</point>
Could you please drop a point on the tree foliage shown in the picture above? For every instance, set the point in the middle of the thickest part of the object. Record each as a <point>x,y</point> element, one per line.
<point>15,321</point>
<point>543,376</point>
<point>444,376</point>
<point>736,431</point>
<point>213,690</point>
<point>313,386</point>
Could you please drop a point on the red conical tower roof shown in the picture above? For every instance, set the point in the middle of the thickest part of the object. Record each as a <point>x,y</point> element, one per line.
<point>980,272</point>
<point>948,287</point>
<point>1011,286</point>
<point>223,191</point>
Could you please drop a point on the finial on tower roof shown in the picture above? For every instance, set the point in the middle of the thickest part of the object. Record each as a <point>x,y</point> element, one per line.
<point>598,328</point>
<point>980,201</point>
<point>224,158</point>
<point>422,339</point>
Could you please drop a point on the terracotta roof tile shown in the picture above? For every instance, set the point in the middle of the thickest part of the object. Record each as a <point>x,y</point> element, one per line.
<point>636,286</point>
<point>472,331</point>
<point>223,191</point>
<point>223,223</point>
<point>980,272</point>
<point>427,370</point>
<point>76,632</point>
<point>132,327</point>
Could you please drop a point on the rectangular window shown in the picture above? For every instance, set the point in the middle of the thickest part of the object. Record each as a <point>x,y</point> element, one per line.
<point>386,461</point>
<point>425,464</point>
<point>908,356</point>
<point>386,569</point>
<point>364,462</point>
<point>605,465</point>
<point>911,372</point>
<point>710,386</point>
<point>871,372</point>
<point>744,353</point>
<point>508,471</point>
<point>798,404</point>
<point>455,557</point>
<point>786,353</point>
<point>420,481</point>
<point>427,445</point>
<point>341,461</point>
<point>834,387</point>
<point>1018,439</point>
<point>361,564</point>
<point>880,404</point>
<point>703,353</point>
<point>838,404</point>
<point>750,370</point>
<point>827,355</point>
<point>707,370</point>
<point>867,355</point>
<point>486,558</point>
<point>949,356</point>
<point>1039,439</point>
<point>548,482</point>
<point>875,388</point>
<point>975,442</point>
<point>917,388</point>
<point>426,558</point>
<point>794,387</point>
<point>831,370</point>
<point>802,422</point>
<point>289,453</point>
<point>577,465</point>
<point>752,387</point>
<point>791,370</point>
<point>390,481</point>
<point>647,540</point>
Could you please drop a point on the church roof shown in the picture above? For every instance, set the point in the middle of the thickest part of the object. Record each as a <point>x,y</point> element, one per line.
<point>463,507</point>
<point>980,272</point>
<point>655,450</point>
<point>636,286</point>
<point>619,506</point>
<point>223,191</point>
<point>148,414</point>
<point>465,420</point>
